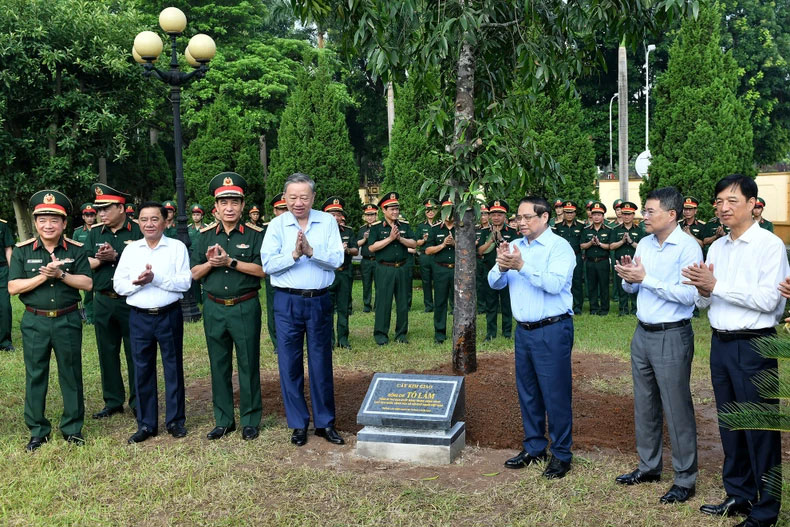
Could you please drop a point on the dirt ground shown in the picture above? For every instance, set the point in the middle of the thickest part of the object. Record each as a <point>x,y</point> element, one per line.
<point>603,420</point>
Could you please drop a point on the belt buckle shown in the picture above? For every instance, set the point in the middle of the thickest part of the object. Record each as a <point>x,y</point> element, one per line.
<point>52,314</point>
<point>397,264</point>
<point>153,311</point>
<point>228,301</point>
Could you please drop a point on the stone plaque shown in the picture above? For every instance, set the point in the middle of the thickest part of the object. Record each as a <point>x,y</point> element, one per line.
<point>423,402</point>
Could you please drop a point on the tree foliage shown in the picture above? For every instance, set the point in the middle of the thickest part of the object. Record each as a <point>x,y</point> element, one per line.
<point>313,138</point>
<point>701,130</point>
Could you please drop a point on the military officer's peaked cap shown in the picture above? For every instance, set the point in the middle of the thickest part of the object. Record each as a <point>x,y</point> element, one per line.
<point>87,208</point>
<point>569,206</point>
<point>278,202</point>
<point>130,209</point>
<point>498,205</point>
<point>430,203</point>
<point>618,203</point>
<point>759,203</point>
<point>255,208</point>
<point>690,202</point>
<point>390,199</point>
<point>447,203</point>
<point>50,202</point>
<point>169,204</point>
<point>227,185</point>
<point>370,208</point>
<point>558,203</point>
<point>196,208</point>
<point>628,206</point>
<point>588,204</point>
<point>333,204</point>
<point>105,195</point>
<point>597,206</point>
<point>484,208</point>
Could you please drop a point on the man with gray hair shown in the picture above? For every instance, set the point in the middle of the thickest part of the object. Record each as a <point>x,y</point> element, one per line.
<point>662,347</point>
<point>300,252</point>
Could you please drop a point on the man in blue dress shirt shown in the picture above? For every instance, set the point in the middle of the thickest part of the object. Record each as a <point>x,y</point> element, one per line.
<point>663,344</point>
<point>301,250</point>
<point>538,270</point>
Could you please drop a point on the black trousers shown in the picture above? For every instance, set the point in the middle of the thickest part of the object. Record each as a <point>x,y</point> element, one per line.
<point>748,454</point>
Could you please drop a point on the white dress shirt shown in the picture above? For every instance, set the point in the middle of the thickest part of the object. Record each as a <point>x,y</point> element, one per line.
<point>169,262</point>
<point>748,271</point>
<point>662,297</point>
<point>317,272</point>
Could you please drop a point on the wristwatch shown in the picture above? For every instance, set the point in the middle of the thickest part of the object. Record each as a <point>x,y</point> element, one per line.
<point>62,275</point>
<point>233,263</point>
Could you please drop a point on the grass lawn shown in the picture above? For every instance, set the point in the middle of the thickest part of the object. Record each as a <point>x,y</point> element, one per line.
<point>268,481</point>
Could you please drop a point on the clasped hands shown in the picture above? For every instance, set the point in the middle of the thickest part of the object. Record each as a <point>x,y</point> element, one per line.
<point>630,269</point>
<point>52,269</point>
<point>146,277</point>
<point>106,253</point>
<point>217,256</point>
<point>507,260</point>
<point>302,247</point>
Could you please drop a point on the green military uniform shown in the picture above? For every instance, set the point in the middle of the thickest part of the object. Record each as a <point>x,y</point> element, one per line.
<point>710,230</point>
<point>81,235</point>
<point>764,224</point>
<point>557,203</point>
<point>597,264</point>
<point>111,317</point>
<point>255,210</point>
<point>573,235</point>
<point>340,289</point>
<point>421,233</point>
<point>392,276</point>
<point>51,322</point>
<point>278,204</point>
<point>367,266</point>
<point>6,240</point>
<point>193,231</point>
<point>497,301</point>
<point>443,277</point>
<point>131,211</point>
<point>627,301</point>
<point>613,224</point>
<point>480,275</point>
<point>172,231</point>
<point>232,311</point>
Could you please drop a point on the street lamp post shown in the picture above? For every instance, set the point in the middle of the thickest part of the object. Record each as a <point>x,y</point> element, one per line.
<point>611,165</point>
<point>650,48</point>
<point>200,50</point>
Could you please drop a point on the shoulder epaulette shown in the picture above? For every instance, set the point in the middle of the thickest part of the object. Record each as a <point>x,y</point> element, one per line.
<point>3,221</point>
<point>208,227</point>
<point>253,227</point>
<point>26,242</point>
<point>266,224</point>
<point>404,221</point>
<point>135,220</point>
<point>375,223</point>
<point>73,242</point>
<point>701,222</point>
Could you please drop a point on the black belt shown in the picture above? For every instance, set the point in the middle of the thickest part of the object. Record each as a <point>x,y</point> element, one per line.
<point>743,334</point>
<point>448,265</point>
<point>232,301</point>
<point>665,326</point>
<point>110,293</point>
<point>156,310</point>
<point>52,313</point>
<point>545,322</point>
<point>369,258</point>
<point>394,264</point>
<point>307,293</point>
<point>595,260</point>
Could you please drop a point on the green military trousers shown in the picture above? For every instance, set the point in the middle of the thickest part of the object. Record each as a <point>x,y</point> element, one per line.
<point>426,274</point>
<point>598,285</point>
<point>40,336</point>
<point>111,322</point>
<point>577,285</point>
<point>225,326</point>
<point>340,292</point>
<point>270,312</point>
<point>443,278</point>
<point>367,268</point>
<point>391,282</point>
<point>5,309</point>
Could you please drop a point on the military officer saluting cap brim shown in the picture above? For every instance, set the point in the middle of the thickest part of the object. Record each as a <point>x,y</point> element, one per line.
<point>104,246</point>
<point>227,259</point>
<point>48,272</point>
<point>341,287</point>
<point>390,241</point>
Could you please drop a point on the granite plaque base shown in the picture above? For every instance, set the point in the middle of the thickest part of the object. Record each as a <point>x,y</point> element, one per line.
<point>424,447</point>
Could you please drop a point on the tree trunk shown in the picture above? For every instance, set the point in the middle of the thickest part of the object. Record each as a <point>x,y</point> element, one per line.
<point>390,110</point>
<point>153,136</point>
<point>23,224</point>
<point>465,314</point>
<point>263,154</point>
<point>622,118</point>
<point>320,37</point>
<point>103,170</point>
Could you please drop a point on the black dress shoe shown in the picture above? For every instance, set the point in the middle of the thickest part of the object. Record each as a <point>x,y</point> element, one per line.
<point>141,435</point>
<point>36,442</point>
<point>74,439</point>
<point>556,468</point>
<point>728,507</point>
<point>751,522</point>
<point>636,477</point>
<point>178,431</point>
<point>525,459</point>
<point>107,412</point>
<point>299,437</point>
<point>678,494</point>
<point>220,431</point>
<point>330,434</point>
<point>248,433</point>
<point>8,348</point>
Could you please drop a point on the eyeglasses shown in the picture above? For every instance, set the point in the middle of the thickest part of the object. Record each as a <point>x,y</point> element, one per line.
<point>525,217</point>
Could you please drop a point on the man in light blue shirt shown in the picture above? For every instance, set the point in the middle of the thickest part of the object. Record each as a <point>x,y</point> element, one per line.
<point>663,344</point>
<point>538,270</point>
<point>300,252</point>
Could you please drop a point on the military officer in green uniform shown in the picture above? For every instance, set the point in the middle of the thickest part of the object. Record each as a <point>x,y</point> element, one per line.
<point>341,288</point>
<point>757,213</point>
<point>171,231</point>
<point>6,247</point>
<point>480,266</point>
<point>104,246</point>
<point>571,231</point>
<point>440,244</point>
<point>595,242</point>
<point>131,211</point>
<point>255,216</point>
<point>421,232</point>
<point>497,301</point>
<point>278,207</point>
<point>690,224</point>
<point>227,258</point>
<point>625,237</point>
<point>193,230</point>
<point>714,230</point>
<point>81,235</point>
<point>612,224</point>
<point>390,241</point>
<point>48,272</point>
<point>367,266</point>
<point>558,212</point>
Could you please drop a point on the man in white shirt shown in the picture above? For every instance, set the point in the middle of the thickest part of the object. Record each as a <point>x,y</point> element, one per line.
<point>744,304</point>
<point>153,273</point>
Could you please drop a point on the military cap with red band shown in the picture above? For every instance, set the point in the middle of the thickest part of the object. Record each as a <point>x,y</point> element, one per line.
<point>370,208</point>
<point>628,206</point>
<point>390,199</point>
<point>196,208</point>
<point>759,203</point>
<point>597,206</point>
<point>227,185</point>
<point>87,208</point>
<point>105,195</point>
<point>498,205</point>
<point>278,202</point>
<point>333,204</point>
<point>569,206</point>
<point>690,202</point>
<point>50,202</point>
